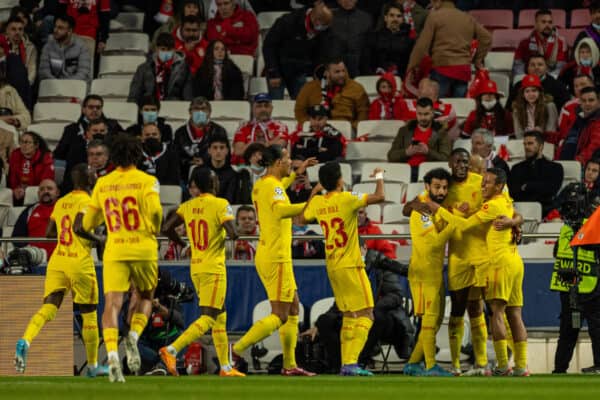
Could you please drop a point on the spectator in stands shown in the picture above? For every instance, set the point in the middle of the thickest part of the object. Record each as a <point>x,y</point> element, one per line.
<point>252,171</point>
<point>482,144</point>
<point>544,41</point>
<point>12,109</point>
<point>191,140</point>
<point>449,44</point>
<point>148,114</point>
<point>568,114</point>
<point>245,221</point>
<point>368,227</point>
<point>586,60</point>
<point>388,47</point>
<point>420,140</point>
<point>489,113</point>
<point>382,107</point>
<point>414,15</point>
<point>164,75</point>
<point>236,27</point>
<point>262,129</point>
<point>593,29</point>
<point>189,42</point>
<point>350,26</point>
<point>218,150</point>
<point>186,7</point>
<point>591,177</point>
<point>93,18</point>
<point>536,178</point>
<point>584,136</point>
<point>98,158</point>
<point>64,56</point>
<point>30,29</point>
<point>299,191</point>
<point>554,91</point>
<point>322,140</point>
<point>303,248</point>
<point>13,41</point>
<point>33,220</point>
<point>294,46</point>
<point>29,164</point>
<point>158,158</point>
<point>343,97</point>
<point>218,78</point>
<point>531,112</point>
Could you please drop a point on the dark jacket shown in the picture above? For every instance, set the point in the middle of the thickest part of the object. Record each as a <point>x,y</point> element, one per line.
<point>536,180</point>
<point>553,90</point>
<point>233,82</point>
<point>582,139</point>
<point>165,167</point>
<point>228,182</point>
<point>385,49</point>
<point>288,50</point>
<point>498,162</point>
<point>166,132</point>
<point>308,146</point>
<point>188,147</point>
<point>350,28</point>
<point>439,143</point>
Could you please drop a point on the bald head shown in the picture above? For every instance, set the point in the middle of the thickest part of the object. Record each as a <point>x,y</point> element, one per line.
<point>321,16</point>
<point>430,89</point>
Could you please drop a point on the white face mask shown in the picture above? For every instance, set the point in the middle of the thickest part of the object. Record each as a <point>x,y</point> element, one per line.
<point>488,105</point>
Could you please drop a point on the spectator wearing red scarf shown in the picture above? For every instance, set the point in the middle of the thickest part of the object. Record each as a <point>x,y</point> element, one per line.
<point>93,19</point>
<point>234,26</point>
<point>188,41</point>
<point>382,108</point>
<point>29,164</point>
<point>14,42</point>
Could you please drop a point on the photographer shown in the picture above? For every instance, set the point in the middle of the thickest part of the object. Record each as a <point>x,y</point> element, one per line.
<point>579,291</point>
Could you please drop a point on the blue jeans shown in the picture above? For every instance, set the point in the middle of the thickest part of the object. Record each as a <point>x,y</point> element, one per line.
<point>293,84</point>
<point>449,87</point>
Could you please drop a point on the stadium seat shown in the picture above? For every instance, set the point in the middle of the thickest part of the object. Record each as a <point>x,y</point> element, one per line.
<point>580,18</point>
<point>570,35</point>
<point>531,212</point>
<point>260,65</point>
<point>119,66</point>
<point>13,215</point>
<point>502,81</point>
<point>394,172</point>
<point>320,307</point>
<point>31,195</point>
<point>369,82</point>
<point>428,166</point>
<point>374,213</point>
<point>313,173</point>
<point>462,107</point>
<point>548,151</point>
<point>413,190</point>
<point>129,43</point>
<point>508,39</point>
<point>6,197</point>
<point>379,129</point>
<point>494,19</point>
<point>392,214</point>
<point>394,192</point>
<point>230,109</point>
<point>50,131</point>
<point>244,62</point>
<point>111,89</point>
<point>527,18</point>
<point>549,227</point>
<point>367,151</point>
<point>500,61</point>
<point>125,113</point>
<point>175,110</point>
<point>392,229</point>
<point>66,90</point>
<point>266,19</point>
<point>170,195</point>
<point>516,151</point>
<point>231,127</point>
<point>258,84</point>
<point>283,110</point>
<point>128,22</point>
<point>56,112</point>
<point>463,143</point>
<point>536,250</point>
<point>315,228</point>
<point>572,169</point>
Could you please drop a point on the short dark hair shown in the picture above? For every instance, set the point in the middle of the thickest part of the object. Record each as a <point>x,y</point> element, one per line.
<point>66,18</point>
<point>334,61</point>
<point>539,137</point>
<point>251,149</point>
<point>202,179</point>
<point>98,143</point>
<point>14,19</point>
<point>424,102</point>
<point>589,89</point>
<point>191,19</point>
<point>542,11</point>
<point>500,175</point>
<point>592,161</point>
<point>80,176</point>
<point>387,7</point>
<point>329,175</point>
<point>244,208</point>
<point>531,57</point>
<point>126,150</point>
<point>579,76</point>
<point>460,150</point>
<point>271,154</point>
<point>441,174</point>
<point>165,40</point>
<point>92,97</point>
<point>218,138</point>
<point>96,122</point>
<point>149,100</point>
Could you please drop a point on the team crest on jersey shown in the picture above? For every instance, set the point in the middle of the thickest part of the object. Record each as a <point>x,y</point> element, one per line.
<point>426,221</point>
<point>279,193</point>
<point>229,210</point>
<point>357,194</point>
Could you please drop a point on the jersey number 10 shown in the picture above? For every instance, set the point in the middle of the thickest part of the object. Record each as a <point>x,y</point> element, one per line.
<point>199,229</point>
<point>124,213</point>
<point>341,237</point>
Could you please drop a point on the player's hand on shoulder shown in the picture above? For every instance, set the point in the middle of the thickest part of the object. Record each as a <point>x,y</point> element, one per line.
<point>421,208</point>
<point>463,207</point>
<point>503,222</point>
<point>432,206</point>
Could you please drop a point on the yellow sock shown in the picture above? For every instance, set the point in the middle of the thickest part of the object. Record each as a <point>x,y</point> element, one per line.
<point>138,323</point>
<point>479,336</point>
<point>456,330</point>
<point>111,339</point>
<point>346,336</point>
<point>361,333</point>
<point>509,337</point>
<point>417,354</point>
<point>198,328</point>
<point>427,338</point>
<point>520,352</point>
<point>220,340</point>
<point>260,330</point>
<point>91,338</point>
<point>288,334</point>
<point>45,314</point>
<point>501,353</point>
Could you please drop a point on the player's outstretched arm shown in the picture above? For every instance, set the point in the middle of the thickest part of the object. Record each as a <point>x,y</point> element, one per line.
<point>169,229</point>
<point>379,195</point>
<point>81,232</point>
<point>51,232</point>
<point>230,229</point>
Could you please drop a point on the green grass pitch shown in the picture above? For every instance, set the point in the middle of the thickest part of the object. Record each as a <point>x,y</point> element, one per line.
<point>384,387</point>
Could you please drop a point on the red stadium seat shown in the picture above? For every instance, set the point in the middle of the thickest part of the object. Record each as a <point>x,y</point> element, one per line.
<point>508,39</point>
<point>527,18</point>
<point>494,19</point>
<point>570,35</point>
<point>580,18</point>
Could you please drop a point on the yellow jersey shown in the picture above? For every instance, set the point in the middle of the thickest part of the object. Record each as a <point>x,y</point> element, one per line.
<point>274,212</point>
<point>71,250</point>
<point>428,235</point>
<point>337,215</point>
<point>128,201</point>
<point>464,247</point>
<point>204,217</point>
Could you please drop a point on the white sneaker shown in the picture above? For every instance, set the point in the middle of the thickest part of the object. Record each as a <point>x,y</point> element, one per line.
<point>478,371</point>
<point>455,371</point>
<point>134,361</point>
<point>115,374</point>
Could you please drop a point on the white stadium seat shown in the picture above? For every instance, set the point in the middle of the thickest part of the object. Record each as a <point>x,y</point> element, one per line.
<point>500,61</point>
<point>230,109</point>
<point>13,215</point>
<point>374,213</point>
<point>394,172</point>
<point>257,85</point>
<point>462,107</point>
<point>170,195</point>
<point>115,66</point>
<point>175,110</point>
<point>464,143</point>
<point>387,130</point>
<point>128,22</point>
<point>392,214</point>
<point>549,227</point>
<point>572,170</point>
<point>320,307</point>
<point>516,151</point>
<point>125,113</point>
<point>413,190</point>
<point>69,90</point>
<point>127,43</point>
<point>244,62</point>
<point>56,112</point>
<point>31,195</point>
<point>50,131</point>
<point>531,212</point>
<point>115,89</point>
<point>266,19</point>
<point>367,151</point>
<point>428,166</point>
<point>283,110</point>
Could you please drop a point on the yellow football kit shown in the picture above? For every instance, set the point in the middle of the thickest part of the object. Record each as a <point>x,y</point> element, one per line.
<point>336,212</point>
<point>204,217</point>
<point>127,200</point>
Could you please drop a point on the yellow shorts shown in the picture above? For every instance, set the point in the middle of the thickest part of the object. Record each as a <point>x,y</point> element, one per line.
<point>82,281</point>
<point>506,283</point>
<point>211,289</point>
<point>351,288</point>
<point>460,275</point>
<point>119,275</point>
<point>278,280</point>
<point>426,297</point>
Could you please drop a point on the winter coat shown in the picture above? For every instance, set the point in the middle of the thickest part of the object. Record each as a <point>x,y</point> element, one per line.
<point>69,62</point>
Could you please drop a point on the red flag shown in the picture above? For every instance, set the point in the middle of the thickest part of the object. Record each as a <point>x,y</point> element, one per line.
<point>589,233</point>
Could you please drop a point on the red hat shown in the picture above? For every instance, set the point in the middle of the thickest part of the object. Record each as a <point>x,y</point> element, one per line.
<point>487,87</point>
<point>531,81</point>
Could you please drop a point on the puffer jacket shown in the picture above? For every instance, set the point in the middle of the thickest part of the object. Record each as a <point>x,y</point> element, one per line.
<point>70,62</point>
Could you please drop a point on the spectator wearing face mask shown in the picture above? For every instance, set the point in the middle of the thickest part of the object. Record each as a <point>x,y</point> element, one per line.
<point>489,113</point>
<point>586,60</point>
<point>158,158</point>
<point>189,42</point>
<point>383,106</point>
<point>149,108</point>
